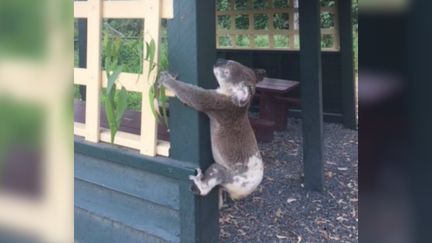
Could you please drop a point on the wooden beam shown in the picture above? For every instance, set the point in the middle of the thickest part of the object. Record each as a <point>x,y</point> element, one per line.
<point>311,93</point>
<point>347,64</point>
<point>148,122</point>
<point>123,9</point>
<point>191,41</point>
<point>94,28</point>
<point>126,157</point>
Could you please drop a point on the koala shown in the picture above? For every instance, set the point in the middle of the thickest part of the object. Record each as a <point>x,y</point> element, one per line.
<point>239,167</point>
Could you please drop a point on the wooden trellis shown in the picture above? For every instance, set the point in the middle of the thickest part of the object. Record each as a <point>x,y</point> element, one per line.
<point>228,36</point>
<point>94,78</point>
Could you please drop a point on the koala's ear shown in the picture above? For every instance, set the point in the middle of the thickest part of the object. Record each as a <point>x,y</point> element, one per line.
<point>241,95</point>
<point>260,74</point>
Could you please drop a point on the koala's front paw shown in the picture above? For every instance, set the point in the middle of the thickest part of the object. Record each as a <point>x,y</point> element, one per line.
<point>165,78</point>
<point>196,179</point>
<point>198,175</point>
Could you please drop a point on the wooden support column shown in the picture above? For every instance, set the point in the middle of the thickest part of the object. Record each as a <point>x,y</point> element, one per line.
<point>192,53</point>
<point>94,49</point>
<point>311,93</point>
<point>347,64</point>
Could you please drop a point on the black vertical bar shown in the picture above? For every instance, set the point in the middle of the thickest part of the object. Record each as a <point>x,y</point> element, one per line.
<point>347,64</point>
<point>192,53</point>
<point>311,92</point>
<point>418,85</point>
<point>82,51</point>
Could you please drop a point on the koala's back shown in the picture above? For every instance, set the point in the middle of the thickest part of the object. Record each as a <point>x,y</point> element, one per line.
<point>233,141</point>
<point>234,146</point>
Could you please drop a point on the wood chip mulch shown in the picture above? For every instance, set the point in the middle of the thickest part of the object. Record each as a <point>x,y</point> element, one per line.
<point>282,210</point>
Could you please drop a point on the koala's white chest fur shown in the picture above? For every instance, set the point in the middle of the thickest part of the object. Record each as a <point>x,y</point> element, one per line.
<point>244,183</point>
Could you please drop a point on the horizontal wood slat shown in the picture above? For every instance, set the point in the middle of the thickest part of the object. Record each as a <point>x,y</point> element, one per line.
<point>79,129</point>
<point>123,9</point>
<point>112,176</point>
<point>131,81</point>
<point>133,141</point>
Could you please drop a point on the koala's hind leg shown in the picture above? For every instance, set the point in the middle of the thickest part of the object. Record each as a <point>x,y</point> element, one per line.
<point>204,183</point>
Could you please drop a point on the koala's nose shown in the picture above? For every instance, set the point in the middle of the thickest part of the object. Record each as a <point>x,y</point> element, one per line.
<point>220,62</point>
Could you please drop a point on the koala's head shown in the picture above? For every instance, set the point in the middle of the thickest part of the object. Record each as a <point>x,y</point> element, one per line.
<point>235,80</point>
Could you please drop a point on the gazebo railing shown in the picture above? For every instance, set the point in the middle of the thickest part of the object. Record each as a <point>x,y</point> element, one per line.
<point>94,78</point>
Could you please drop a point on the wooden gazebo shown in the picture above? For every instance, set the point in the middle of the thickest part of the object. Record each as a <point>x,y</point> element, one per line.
<point>125,195</point>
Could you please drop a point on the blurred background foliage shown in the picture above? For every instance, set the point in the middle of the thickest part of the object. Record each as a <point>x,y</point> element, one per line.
<point>21,130</point>
<point>22,28</point>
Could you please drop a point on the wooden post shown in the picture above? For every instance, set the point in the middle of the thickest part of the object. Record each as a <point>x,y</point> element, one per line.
<point>148,123</point>
<point>94,26</point>
<point>192,53</point>
<point>311,93</point>
<point>347,64</point>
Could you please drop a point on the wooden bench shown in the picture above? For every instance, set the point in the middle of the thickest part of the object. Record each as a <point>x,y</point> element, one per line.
<point>263,129</point>
<point>131,123</point>
<point>273,104</point>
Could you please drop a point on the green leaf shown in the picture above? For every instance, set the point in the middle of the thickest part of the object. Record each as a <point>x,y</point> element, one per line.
<point>113,130</point>
<point>163,101</point>
<point>140,54</point>
<point>105,41</point>
<point>152,96</point>
<point>115,106</point>
<point>111,80</point>
<point>147,51</point>
<point>111,96</point>
<point>108,48</point>
<point>107,64</point>
<point>151,51</point>
<point>109,111</point>
<point>117,45</point>
<point>121,105</point>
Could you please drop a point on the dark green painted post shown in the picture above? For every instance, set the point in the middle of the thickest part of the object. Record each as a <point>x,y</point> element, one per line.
<point>82,51</point>
<point>192,53</point>
<point>311,93</point>
<point>347,64</point>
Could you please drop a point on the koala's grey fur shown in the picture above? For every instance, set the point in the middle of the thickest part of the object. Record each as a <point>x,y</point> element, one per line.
<point>238,168</point>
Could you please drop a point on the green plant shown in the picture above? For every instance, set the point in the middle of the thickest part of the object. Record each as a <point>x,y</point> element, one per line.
<point>156,93</point>
<point>114,108</point>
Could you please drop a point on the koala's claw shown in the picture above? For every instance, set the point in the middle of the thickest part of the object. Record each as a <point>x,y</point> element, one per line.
<point>199,173</point>
<point>194,188</point>
<point>163,76</point>
<point>196,179</point>
<point>166,79</point>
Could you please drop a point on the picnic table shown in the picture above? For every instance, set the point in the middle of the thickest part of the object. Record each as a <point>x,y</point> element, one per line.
<point>273,103</point>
